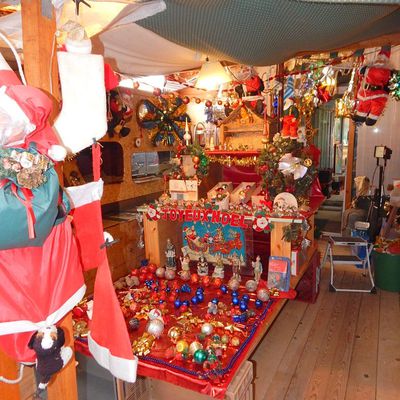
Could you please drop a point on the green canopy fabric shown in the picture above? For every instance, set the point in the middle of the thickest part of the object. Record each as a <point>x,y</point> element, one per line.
<point>265,32</point>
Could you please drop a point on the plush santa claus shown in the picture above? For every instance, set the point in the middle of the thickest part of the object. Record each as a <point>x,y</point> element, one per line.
<point>373,89</point>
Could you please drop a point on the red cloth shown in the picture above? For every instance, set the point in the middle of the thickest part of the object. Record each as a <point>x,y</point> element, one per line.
<point>110,77</point>
<point>39,286</point>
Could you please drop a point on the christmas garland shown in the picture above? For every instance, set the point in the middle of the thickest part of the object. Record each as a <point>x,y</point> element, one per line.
<point>274,179</point>
<point>394,85</point>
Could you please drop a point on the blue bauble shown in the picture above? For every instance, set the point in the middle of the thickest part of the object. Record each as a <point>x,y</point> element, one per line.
<point>224,289</point>
<point>177,290</point>
<point>235,301</point>
<point>237,318</point>
<point>259,303</point>
<point>235,293</point>
<point>200,289</point>
<point>194,300</point>
<point>200,298</point>
<point>186,303</point>
<point>155,289</point>
<point>243,306</point>
<point>215,300</point>
<point>167,289</point>
<point>161,301</point>
<point>246,298</point>
<point>177,303</point>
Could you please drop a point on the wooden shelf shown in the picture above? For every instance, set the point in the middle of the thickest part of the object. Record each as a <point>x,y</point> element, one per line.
<point>234,153</point>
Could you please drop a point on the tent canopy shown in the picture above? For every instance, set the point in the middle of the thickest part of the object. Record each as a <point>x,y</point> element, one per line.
<point>265,32</point>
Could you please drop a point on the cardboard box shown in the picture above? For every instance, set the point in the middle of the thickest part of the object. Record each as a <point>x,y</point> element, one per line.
<point>242,193</point>
<point>183,189</point>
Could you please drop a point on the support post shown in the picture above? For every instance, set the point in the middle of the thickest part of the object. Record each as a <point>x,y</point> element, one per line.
<point>8,369</point>
<point>350,165</point>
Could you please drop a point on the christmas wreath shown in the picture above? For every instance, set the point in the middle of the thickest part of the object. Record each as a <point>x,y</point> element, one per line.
<point>164,116</point>
<point>287,165</point>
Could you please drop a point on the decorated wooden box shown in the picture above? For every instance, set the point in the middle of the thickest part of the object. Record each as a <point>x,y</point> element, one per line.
<point>242,193</point>
<point>258,196</point>
<point>183,189</point>
<point>220,194</point>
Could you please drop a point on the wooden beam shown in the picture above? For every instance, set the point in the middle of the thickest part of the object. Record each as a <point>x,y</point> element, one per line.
<point>9,370</point>
<point>40,67</point>
<point>38,35</point>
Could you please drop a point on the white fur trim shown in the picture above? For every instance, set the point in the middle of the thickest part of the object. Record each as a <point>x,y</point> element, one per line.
<point>376,96</point>
<point>7,328</point>
<point>66,354</point>
<point>121,368</point>
<point>85,194</point>
<point>361,114</point>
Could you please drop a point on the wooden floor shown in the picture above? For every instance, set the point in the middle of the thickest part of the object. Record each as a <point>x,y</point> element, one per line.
<point>345,346</point>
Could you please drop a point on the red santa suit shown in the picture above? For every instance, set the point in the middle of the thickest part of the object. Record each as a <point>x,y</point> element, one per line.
<point>373,92</point>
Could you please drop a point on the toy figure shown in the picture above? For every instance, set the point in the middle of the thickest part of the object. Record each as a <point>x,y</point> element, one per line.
<point>373,91</point>
<point>202,266</point>
<point>52,355</point>
<point>219,268</point>
<point>290,121</point>
<point>235,262</point>
<point>212,308</point>
<point>258,268</point>
<point>185,260</point>
<point>170,254</point>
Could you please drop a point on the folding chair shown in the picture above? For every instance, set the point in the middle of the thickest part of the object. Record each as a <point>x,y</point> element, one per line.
<point>355,243</point>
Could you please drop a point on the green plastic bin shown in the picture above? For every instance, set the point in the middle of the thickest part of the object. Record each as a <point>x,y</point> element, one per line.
<point>387,271</point>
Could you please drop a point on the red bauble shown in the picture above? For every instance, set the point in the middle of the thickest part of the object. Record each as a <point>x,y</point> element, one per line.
<point>207,317</point>
<point>186,100</point>
<point>78,312</point>
<point>219,293</point>
<point>144,270</point>
<point>208,103</point>
<point>163,296</point>
<point>149,276</point>
<point>152,268</point>
<point>183,308</point>
<point>171,298</point>
<point>162,306</point>
<point>217,282</point>
<point>206,281</point>
<point>135,272</point>
<point>142,278</point>
<point>157,92</point>
<point>194,278</point>
<point>196,166</point>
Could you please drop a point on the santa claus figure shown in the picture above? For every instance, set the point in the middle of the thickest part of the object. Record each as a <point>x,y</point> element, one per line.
<point>373,89</point>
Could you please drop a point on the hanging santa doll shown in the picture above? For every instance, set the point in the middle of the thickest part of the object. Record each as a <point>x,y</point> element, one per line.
<point>373,89</point>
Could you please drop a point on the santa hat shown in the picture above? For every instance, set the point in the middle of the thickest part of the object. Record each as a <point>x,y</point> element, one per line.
<point>108,339</point>
<point>384,53</point>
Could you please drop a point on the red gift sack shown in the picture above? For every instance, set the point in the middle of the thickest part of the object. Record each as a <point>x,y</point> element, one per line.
<point>87,218</point>
<point>38,287</point>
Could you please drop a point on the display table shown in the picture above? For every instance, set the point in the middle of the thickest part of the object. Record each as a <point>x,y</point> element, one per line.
<point>215,380</point>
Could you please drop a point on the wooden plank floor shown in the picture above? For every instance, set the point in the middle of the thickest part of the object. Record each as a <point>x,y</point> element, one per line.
<point>345,346</point>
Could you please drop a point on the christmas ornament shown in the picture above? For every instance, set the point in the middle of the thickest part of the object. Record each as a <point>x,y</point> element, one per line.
<point>394,85</point>
<point>199,356</point>
<point>262,294</point>
<point>207,329</point>
<point>194,346</point>
<point>235,341</point>
<point>133,324</point>
<point>182,346</point>
<point>258,303</point>
<point>251,285</point>
<point>160,272</point>
<point>225,339</point>
<point>155,327</point>
<point>170,274</point>
<point>174,333</point>
<point>233,284</point>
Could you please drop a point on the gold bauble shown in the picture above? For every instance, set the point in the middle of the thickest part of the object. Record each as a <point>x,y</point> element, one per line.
<point>196,159</point>
<point>308,162</point>
<point>174,333</point>
<point>182,346</point>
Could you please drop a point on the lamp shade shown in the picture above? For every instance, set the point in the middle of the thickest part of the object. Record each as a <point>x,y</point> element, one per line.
<point>212,74</point>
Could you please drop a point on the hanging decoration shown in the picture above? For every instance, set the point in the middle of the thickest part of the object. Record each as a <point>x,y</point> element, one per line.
<point>394,85</point>
<point>164,116</point>
<point>232,160</point>
<point>278,179</point>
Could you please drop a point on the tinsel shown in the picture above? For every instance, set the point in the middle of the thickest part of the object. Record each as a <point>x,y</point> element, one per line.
<point>232,160</point>
<point>165,119</point>
<point>394,85</point>
<point>274,180</point>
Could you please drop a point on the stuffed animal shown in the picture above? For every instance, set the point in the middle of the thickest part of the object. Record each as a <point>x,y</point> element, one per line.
<point>52,356</point>
<point>373,90</point>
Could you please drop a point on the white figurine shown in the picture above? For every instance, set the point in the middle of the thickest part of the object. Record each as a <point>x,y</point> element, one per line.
<point>185,261</point>
<point>219,268</point>
<point>235,261</point>
<point>258,268</point>
<point>170,254</point>
<point>202,266</point>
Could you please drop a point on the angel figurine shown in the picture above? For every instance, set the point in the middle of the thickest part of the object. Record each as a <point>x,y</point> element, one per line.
<point>235,262</point>
<point>202,266</point>
<point>258,268</point>
<point>219,268</point>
